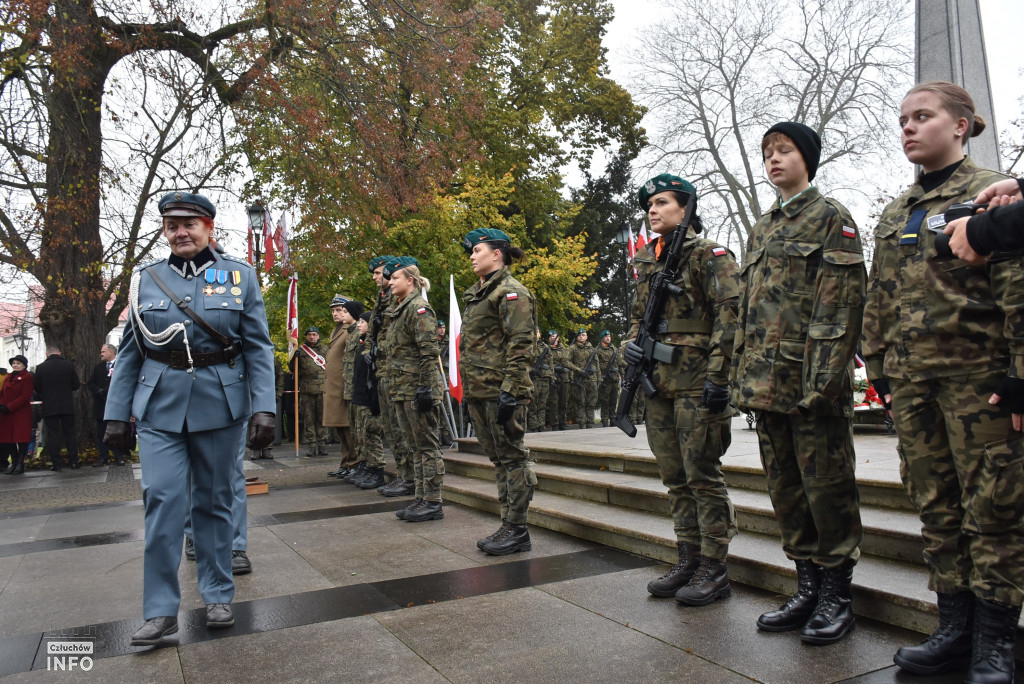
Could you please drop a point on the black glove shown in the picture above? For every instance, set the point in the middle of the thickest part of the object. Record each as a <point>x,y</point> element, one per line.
<point>589,372</point>
<point>118,436</point>
<point>424,400</point>
<point>881,386</point>
<point>506,407</point>
<point>714,397</point>
<point>1011,394</point>
<point>4,409</point>
<point>261,431</point>
<point>633,353</point>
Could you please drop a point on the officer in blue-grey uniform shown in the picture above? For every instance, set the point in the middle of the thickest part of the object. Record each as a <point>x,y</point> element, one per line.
<point>195,361</point>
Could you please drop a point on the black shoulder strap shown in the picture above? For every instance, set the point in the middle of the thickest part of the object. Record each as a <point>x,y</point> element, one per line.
<point>213,332</point>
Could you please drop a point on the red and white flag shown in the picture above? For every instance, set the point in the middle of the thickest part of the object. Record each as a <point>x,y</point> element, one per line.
<point>454,331</point>
<point>642,237</point>
<point>281,242</point>
<point>268,243</point>
<point>249,255</point>
<point>292,325</point>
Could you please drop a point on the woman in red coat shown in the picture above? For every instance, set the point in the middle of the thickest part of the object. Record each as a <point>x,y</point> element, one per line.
<point>16,415</point>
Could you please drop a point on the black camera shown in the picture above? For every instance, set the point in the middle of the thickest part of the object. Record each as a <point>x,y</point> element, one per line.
<point>937,224</point>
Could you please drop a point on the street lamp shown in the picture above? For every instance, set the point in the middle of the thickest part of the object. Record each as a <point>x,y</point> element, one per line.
<point>623,238</point>
<point>256,212</point>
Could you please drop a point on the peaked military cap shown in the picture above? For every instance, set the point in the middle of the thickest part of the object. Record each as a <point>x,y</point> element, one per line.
<point>665,181</point>
<point>492,235</point>
<point>186,204</point>
<point>378,261</point>
<point>338,300</point>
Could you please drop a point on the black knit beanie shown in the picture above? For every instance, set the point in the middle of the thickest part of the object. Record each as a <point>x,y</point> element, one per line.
<point>354,308</point>
<point>805,139</point>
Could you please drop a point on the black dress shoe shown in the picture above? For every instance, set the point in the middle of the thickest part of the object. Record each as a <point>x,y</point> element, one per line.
<point>190,549</point>
<point>154,630</point>
<point>240,563</point>
<point>218,615</point>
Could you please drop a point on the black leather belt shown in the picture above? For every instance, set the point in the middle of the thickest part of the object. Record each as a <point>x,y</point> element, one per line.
<point>179,359</point>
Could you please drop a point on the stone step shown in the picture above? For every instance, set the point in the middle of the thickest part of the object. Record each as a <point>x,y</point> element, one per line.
<point>640,461</point>
<point>888,533</point>
<point>893,591</point>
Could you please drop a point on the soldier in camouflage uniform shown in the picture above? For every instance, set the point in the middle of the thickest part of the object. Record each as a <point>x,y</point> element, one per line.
<point>944,342</point>
<point>800,320</point>
<point>558,393</point>
<point>364,407</point>
<point>394,437</point>
<point>688,418</point>
<point>311,392</point>
<point>607,366</point>
<point>497,349</point>
<point>582,352</point>
<point>410,344</point>
<point>542,374</point>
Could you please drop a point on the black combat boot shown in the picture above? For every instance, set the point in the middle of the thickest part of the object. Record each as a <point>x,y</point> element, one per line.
<point>374,478</point>
<point>709,582</point>
<point>832,618</point>
<point>995,629</point>
<point>675,579</point>
<point>500,532</point>
<point>795,612</point>
<point>428,510</point>
<point>948,648</point>
<point>516,539</point>
<point>19,465</point>
<point>355,474</point>
<point>413,505</point>
<point>402,488</point>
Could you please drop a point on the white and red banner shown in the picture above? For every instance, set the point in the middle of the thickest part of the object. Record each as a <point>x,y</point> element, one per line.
<point>292,324</point>
<point>281,242</point>
<point>454,331</point>
<point>268,242</point>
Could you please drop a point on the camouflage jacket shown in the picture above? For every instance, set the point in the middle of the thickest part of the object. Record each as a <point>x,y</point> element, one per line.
<point>410,343</point>
<point>547,358</point>
<point>928,317</point>
<point>498,339</point>
<point>352,348</point>
<point>701,321</point>
<point>311,376</point>
<point>606,365</point>
<point>800,316</point>
<point>579,354</point>
<point>560,358</point>
<point>384,300</point>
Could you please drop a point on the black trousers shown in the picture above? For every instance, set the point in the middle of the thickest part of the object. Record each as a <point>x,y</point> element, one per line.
<point>60,424</point>
<point>9,451</point>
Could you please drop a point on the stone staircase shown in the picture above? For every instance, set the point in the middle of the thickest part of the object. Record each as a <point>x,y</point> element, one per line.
<point>615,497</point>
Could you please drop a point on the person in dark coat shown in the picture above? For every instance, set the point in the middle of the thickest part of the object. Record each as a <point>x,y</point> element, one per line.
<point>56,379</point>
<point>98,384</point>
<point>16,415</point>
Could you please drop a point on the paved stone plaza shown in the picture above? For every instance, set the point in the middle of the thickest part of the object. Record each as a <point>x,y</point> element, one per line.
<point>343,591</point>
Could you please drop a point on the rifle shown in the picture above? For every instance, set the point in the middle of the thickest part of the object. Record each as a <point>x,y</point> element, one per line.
<point>539,366</point>
<point>586,368</point>
<point>662,285</point>
<point>611,366</point>
<point>371,356</point>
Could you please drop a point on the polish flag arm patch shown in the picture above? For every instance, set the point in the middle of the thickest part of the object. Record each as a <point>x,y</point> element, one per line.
<point>849,231</point>
<point>511,296</point>
<point>421,310</point>
<point>719,251</point>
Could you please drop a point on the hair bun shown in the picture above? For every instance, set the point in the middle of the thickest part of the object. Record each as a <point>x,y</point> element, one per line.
<point>979,126</point>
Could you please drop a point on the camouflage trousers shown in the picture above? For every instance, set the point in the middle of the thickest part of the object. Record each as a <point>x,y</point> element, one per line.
<point>367,436</point>
<point>422,433</point>
<point>638,411</point>
<point>538,403</point>
<point>688,444</point>
<point>513,470</point>
<point>557,397</point>
<point>311,411</point>
<point>810,466</point>
<point>608,398</point>
<point>586,400</point>
<point>963,467</point>
<point>394,436</point>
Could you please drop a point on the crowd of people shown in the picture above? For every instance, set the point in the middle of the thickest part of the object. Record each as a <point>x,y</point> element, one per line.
<point>940,334</point>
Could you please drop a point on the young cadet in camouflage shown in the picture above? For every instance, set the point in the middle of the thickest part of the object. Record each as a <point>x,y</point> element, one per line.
<point>542,374</point>
<point>364,408</point>
<point>394,438</point>
<point>586,399</point>
<point>688,418</point>
<point>497,349</point>
<point>940,338</point>
<point>800,320</point>
<point>410,344</point>
<point>607,368</point>
<point>311,393</point>
<point>559,391</point>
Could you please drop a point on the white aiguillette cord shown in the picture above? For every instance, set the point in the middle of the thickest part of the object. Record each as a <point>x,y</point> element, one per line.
<point>160,338</point>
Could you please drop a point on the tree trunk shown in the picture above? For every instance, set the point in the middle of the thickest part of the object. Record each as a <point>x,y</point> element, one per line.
<point>69,267</point>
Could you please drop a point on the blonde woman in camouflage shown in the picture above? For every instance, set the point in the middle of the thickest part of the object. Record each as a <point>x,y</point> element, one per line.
<point>944,344</point>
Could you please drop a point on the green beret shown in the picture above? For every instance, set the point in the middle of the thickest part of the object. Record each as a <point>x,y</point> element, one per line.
<point>665,181</point>
<point>377,261</point>
<point>312,328</point>
<point>581,331</point>
<point>605,332</point>
<point>186,204</point>
<point>397,264</point>
<point>552,333</point>
<point>440,323</point>
<point>484,235</point>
